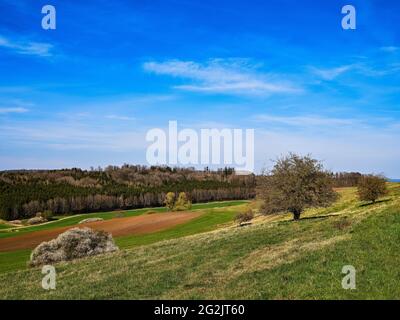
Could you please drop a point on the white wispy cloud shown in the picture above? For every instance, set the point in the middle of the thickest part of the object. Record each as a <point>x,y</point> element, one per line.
<point>390,49</point>
<point>331,73</point>
<point>370,67</point>
<point>40,49</point>
<point>61,135</point>
<point>117,117</point>
<point>379,70</point>
<point>13,110</point>
<point>305,121</point>
<point>231,76</point>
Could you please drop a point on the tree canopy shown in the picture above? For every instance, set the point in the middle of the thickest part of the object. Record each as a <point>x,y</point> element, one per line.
<point>371,188</point>
<point>294,184</point>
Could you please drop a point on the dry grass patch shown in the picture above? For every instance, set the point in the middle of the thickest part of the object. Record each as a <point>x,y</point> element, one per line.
<point>273,256</point>
<point>288,252</point>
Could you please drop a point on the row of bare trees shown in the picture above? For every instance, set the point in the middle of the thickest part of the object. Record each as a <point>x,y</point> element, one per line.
<point>299,182</point>
<point>24,193</point>
<point>99,202</point>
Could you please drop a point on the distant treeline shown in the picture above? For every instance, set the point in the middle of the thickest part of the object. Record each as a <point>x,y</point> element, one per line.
<point>24,193</point>
<point>346,179</point>
<point>27,192</point>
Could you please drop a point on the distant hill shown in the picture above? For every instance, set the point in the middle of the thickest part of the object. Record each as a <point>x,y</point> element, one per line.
<point>23,193</point>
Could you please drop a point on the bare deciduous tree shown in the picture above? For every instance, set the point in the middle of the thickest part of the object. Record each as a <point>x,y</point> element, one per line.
<point>371,188</point>
<point>294,184</point>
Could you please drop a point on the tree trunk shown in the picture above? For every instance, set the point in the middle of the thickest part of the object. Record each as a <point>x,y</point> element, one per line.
<point>296,215</point>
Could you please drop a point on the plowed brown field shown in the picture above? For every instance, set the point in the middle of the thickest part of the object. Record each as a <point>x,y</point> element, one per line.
<point>117,227</point>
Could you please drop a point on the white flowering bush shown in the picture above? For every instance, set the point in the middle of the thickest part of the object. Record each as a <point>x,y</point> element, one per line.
<point>36,220</point>
<point>73,244</point>
<point>91,220</point>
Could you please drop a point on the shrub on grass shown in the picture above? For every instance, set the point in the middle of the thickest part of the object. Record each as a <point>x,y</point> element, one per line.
<point>371,188</point>
<point>170,200</point>
<point>182,203</point>
<point>244,217</point>
<point>73,244</point>
<point>90,220</point>
<point>36,220</point>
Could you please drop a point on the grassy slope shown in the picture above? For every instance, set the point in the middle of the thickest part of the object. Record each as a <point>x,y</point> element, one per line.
<point>214,215</point>
<point>16,260</point>
<point>4,226</point>
<point>274,258</point>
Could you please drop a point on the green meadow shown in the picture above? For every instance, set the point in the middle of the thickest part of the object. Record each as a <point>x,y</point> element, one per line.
<point>213,215</point>
<point>273,258</point>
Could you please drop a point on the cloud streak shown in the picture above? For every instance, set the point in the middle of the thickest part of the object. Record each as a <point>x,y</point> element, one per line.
<point>13,110</point>
<point>231,76</point>
<point>61,135</point>
<point>39,49</point>
<point>305,121</point>
<point>117,117</point>
<point>332,73</point>
<point>390,49</point>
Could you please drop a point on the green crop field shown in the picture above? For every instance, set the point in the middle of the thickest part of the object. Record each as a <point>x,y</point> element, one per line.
<point>213,215</point>
<point>75,219</point>
<point>4,226</point>
<point>274,258</point>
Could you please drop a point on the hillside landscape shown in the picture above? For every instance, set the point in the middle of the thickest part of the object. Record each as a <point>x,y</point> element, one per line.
<point>273,258</point>
<point>192,156</point>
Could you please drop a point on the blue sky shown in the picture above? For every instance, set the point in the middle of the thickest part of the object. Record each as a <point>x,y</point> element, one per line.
<point>86,93</point>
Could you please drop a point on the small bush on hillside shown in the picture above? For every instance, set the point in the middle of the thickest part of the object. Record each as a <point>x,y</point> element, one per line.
<point>36,220</point>
<point>170,200</point>
<point>73,244</point>
<point>182,203</point>
<point>371,188</point>
<point>244,217</point>
<point>91,220</point>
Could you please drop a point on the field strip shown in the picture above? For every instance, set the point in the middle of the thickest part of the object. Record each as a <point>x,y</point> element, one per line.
<point>196,207</point>
<point>117,227</point>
